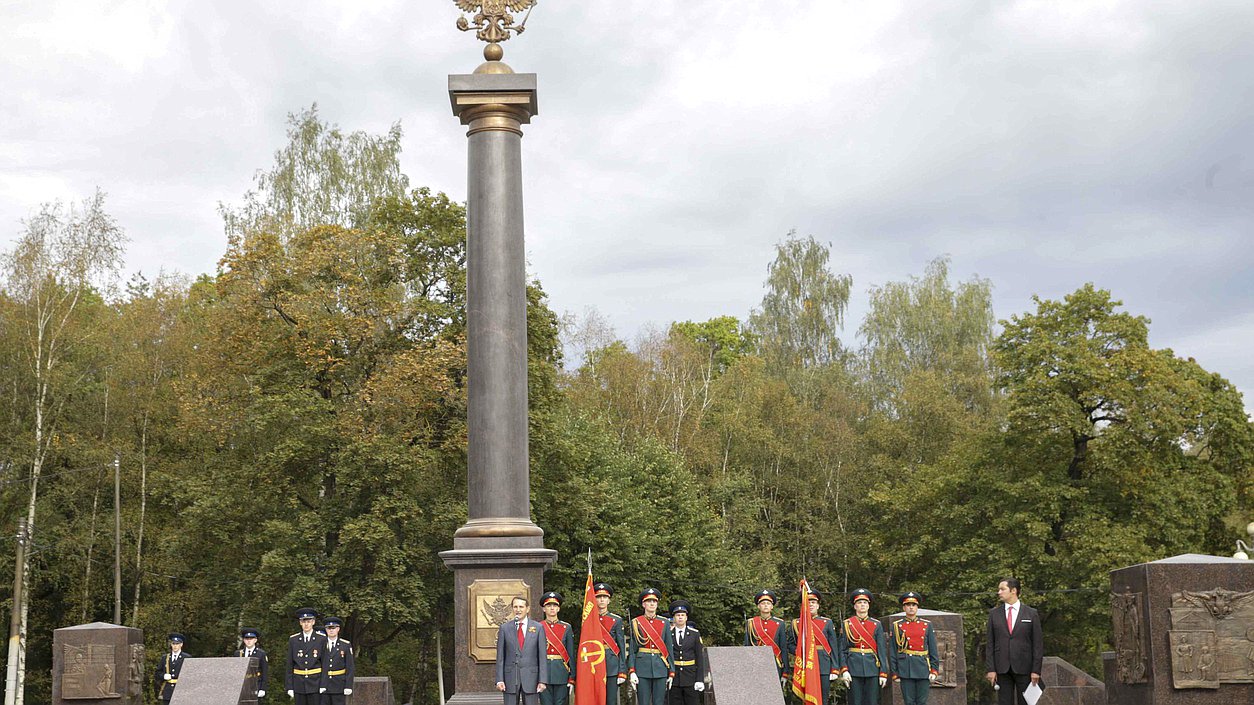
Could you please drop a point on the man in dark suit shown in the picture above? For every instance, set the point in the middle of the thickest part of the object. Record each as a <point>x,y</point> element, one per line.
<point>1015,645</point>
<point>520,654</point>
<point>689,656</point>
<point>337,665</point>
<point>305,651</point>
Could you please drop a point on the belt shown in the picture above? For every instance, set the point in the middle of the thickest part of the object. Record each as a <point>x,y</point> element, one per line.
<point>685,663</point>
<point>912,652</point>
<point>862,651</point>
<point>556,657</point>
<point>306,671</point>
<point>340,672</point>
<point>172,681</point>
<point>649,651</point>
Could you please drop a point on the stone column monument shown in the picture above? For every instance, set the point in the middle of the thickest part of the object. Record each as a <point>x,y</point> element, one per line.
<point>499,552</point>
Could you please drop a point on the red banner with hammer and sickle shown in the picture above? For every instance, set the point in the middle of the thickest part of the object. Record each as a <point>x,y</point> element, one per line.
<point>591,666</point>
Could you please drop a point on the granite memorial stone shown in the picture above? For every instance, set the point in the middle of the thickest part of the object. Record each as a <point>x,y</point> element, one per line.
<point>372,690</point>
<point>1183,632</point>
<point>228,680</point>
<point>950,687</point>
<point>742,675</point>
<point>1067,685</point>
<point>97,663</point>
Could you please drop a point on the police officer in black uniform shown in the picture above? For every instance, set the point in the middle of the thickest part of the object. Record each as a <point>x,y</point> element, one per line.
<point>167,676</point>
<point>337,667</point>
<point>250,650</point>
<point>305,651</point>
<point>689,658</point>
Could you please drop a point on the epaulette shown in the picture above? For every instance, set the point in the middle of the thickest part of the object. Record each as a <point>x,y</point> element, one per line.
<point>924,620</point>
<point>611,614</point>
<point>345,641</point>
<point>563,623</point>
<point>694,629</point>
<point>296,634</point>
<point>319,632</point>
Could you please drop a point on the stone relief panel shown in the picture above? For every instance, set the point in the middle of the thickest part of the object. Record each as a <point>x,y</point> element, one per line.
<point>135,676</point>
<point>1212,638</point>
<point>947,648</point>
<point>1131,656</point>
<point>88,672</point>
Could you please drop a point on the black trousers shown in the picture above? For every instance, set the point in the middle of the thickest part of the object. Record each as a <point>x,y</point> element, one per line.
<point>1012,687</point>
<point>683,695</point>
<point>307,699</point>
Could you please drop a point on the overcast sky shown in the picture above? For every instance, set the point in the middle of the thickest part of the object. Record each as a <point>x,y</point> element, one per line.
<point>1039,144</point>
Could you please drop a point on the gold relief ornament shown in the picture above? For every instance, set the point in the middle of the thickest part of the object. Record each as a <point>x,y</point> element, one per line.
<point>492,19</point>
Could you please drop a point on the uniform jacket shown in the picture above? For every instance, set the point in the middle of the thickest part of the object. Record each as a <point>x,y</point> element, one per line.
<point>263,666</point>
<point>612,624</point>
<point>912,644</point>
<point>644,657</point>
<point>171,665</point>
<point>829,661</point>
<point>304,662</point>
<point>688,655</point>
<point>1019,652</point>
<point>774,628</point>
<point>337,666</point>
<point>518,665</point>
<point>854,644</point>
<point>559,671</point>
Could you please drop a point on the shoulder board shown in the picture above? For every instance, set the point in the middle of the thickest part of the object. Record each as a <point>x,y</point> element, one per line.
<point>564,624</point>
<point>694,630</point>
<point>320,633</point>
<point>924,620</point>
<point>872,619</point>
<point>611,614</point>
<point>294,635</point>
<point>345,641</point>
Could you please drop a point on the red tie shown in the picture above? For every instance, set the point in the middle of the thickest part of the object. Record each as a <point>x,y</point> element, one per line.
<point>1010,619</point>
<point>520,635</point>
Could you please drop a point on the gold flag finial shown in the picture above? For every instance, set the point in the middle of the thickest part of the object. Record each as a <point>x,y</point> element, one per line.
<point>492,20</point>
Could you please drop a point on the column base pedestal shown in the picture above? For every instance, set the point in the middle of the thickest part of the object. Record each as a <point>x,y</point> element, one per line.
<point>485,580</point>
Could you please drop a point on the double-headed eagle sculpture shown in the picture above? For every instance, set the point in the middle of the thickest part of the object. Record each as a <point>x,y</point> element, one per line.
<point>492,19</point>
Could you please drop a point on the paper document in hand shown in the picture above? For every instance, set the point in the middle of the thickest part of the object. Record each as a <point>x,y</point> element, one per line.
<point>1032,694</point>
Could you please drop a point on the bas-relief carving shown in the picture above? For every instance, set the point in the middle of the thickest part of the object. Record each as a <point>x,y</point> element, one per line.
<point>1131,657</point>
<point>135,675</point>
<point>1212,638</point>
<point>87,672</point>
<point>489,609</point>
<point>947,648</point>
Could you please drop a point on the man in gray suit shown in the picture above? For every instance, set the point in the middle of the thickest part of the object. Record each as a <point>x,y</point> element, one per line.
<point>520,653</point>
<point>1015,645</point>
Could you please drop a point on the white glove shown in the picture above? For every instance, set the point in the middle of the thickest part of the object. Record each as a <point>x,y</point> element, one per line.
<point>291,693</point>
<point>847,677</point>
<point>883,680</point>
<point>668,682</point>
<point>165,676</point>
<point>570,690</point>
<point>621,680</point>
<point>321,691</point>
<point>931,677</point>
<point>348,691</point>
<point>635,680</point>
<point>831,676</point>
<point>261,693</point>
<point>699,687</point>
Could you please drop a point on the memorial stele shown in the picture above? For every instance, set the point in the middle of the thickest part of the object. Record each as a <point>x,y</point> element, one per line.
<point>499,552</point>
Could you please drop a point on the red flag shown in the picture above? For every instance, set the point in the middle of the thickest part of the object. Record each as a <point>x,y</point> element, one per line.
<point>591,666</point>
<point>806,683</point>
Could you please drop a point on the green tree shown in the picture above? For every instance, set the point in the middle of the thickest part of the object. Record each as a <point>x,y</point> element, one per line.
<point>800,317</point>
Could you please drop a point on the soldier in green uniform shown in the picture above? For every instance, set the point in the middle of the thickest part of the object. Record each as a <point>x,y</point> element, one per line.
<point>649,649</point>
<point>167,676</point>
<point>305,651</point>
<point>767,630</point>
<point>915,658</point>
<point>559,670</point>
<point>829,664</point>
<point>337,664</point>
<point>250,650</point>
<point>615,642</point>
<point>864,649</point>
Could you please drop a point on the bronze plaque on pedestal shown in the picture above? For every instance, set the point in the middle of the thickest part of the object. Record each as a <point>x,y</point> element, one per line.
<point>489,602</point>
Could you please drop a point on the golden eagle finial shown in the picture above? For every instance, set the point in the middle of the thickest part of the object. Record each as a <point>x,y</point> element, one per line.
<point>492,20</point>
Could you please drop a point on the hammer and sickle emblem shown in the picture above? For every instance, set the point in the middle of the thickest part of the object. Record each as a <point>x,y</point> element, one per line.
<point>594,652</point>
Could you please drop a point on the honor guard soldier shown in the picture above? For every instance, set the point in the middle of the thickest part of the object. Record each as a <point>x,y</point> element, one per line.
<point>829,664</point>
<point>615,642</point>
<point>864,649</point>
<point>689,656</point>
<point>305,650</point>
<point>915,658</point>
<point>559,670</point>
<point>251,650</point>
<point>337,666</point>
<point>649,648</point>
<point>167,676</point>
<point>765,630</point>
